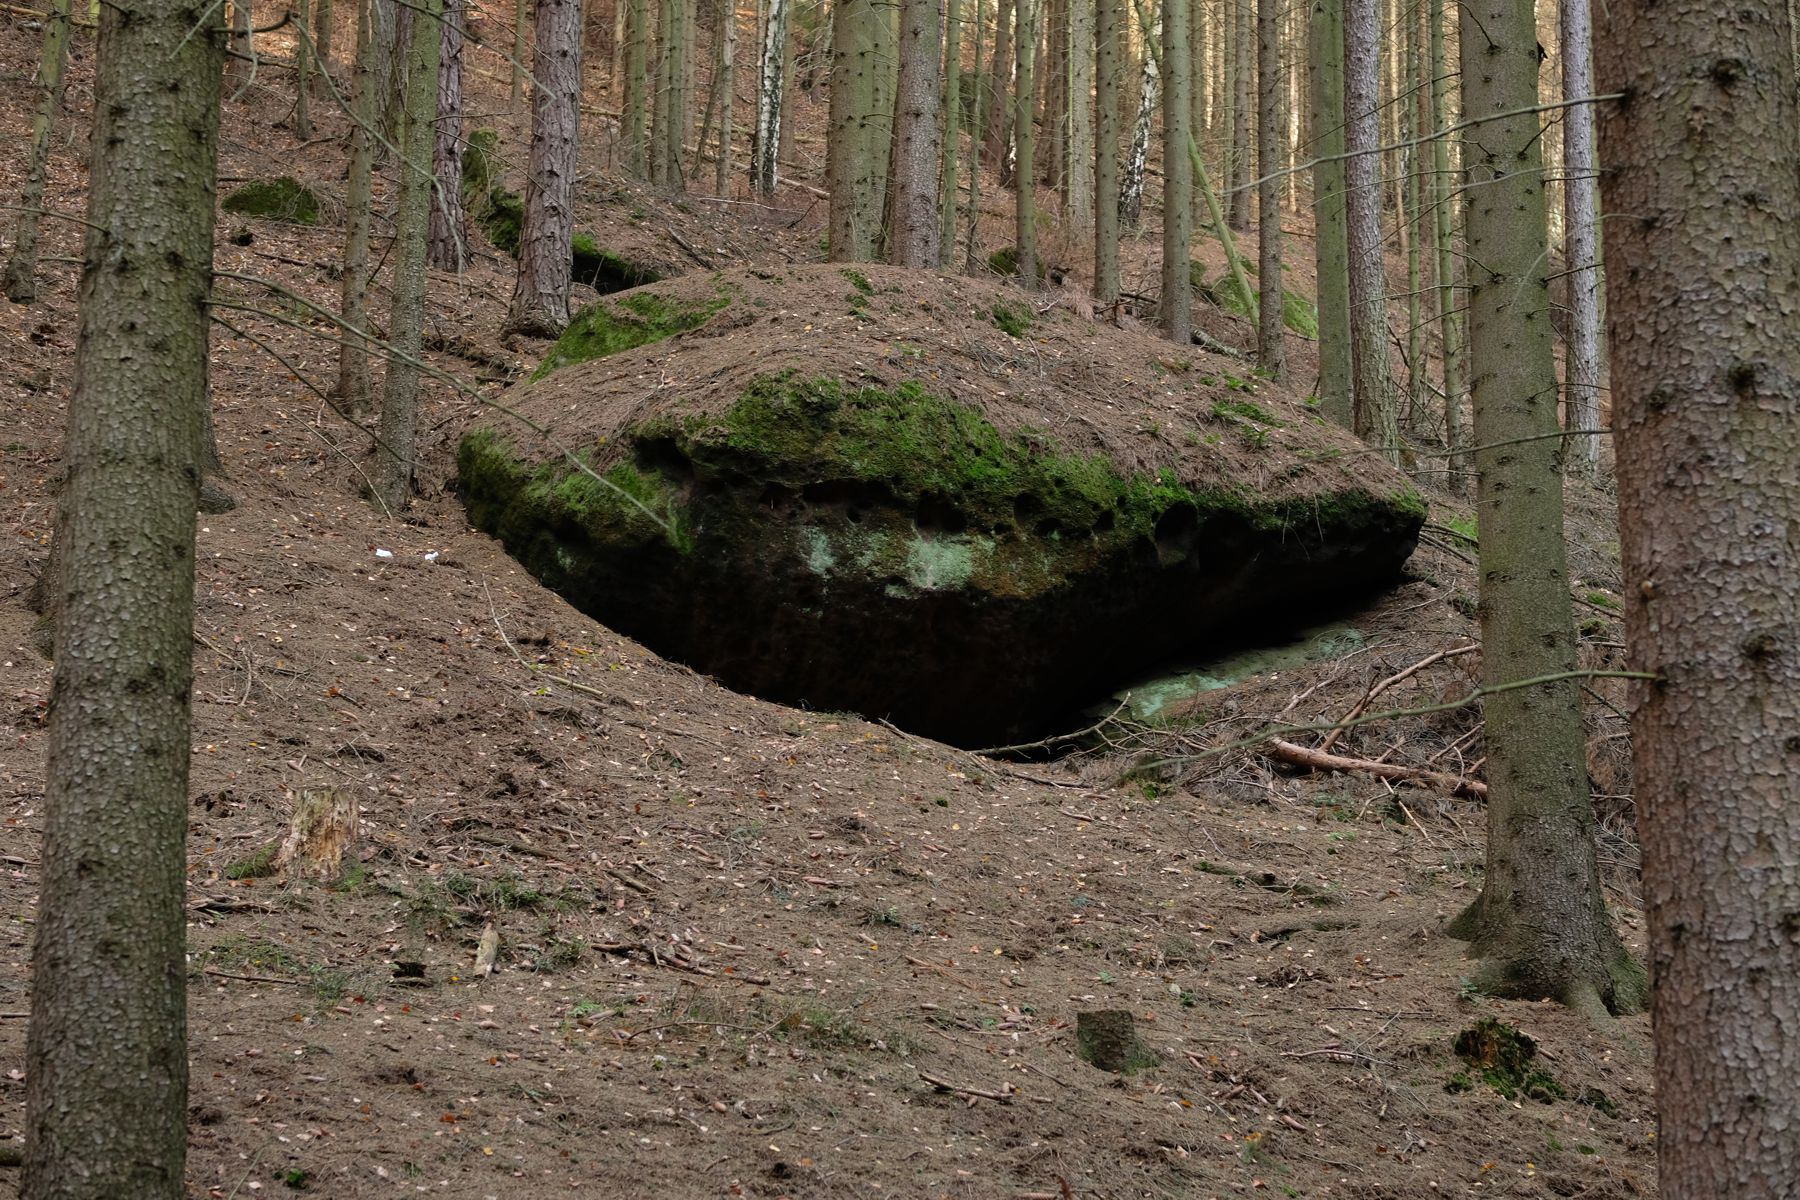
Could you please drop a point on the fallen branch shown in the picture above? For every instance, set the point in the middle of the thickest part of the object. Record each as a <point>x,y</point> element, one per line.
<point>944,1085</point>
<point>1362,706</point>
<point>1318,760</point>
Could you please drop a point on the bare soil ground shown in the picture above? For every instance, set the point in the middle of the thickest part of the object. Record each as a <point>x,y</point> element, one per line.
<point>746,950</point>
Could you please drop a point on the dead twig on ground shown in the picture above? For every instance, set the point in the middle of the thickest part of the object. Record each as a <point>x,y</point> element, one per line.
<point>944,1085</point>
<point>1318,760</point>
<point>1362,706</point>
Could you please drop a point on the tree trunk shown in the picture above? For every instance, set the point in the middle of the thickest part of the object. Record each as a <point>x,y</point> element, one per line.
<point>1109,75</point>
<point>769,82</point>
<point>1373,390</point>
<point>20,279</point>
<point>634,103</point>
<point>243,48</point>
<point>999,125</point>
<point>406,317</point>
<point>1242,14</point>
<point>914,222</point>
<point>1581,370</point>
<point>323,26</point>
<point>1051,75</point>
<point>1178,177</point>
<point>1540,924</point>
<point>522,10</point>
<point>353,355</point>
<point>540,300</point>
<point>1025,144</point>
<point>953,127</point>
<point>1331,247</point>
<point>303,70</point>
<point>1444,211</point>
<point>106,1052</point>
<point>1079,174</point>
<point>1407,100</point>
<point>449,238</point>
<point>725,88</point>
<point>1131,194</point>
<point>1271,343</point>
<point>854,218</point>
<point>1705,352</point>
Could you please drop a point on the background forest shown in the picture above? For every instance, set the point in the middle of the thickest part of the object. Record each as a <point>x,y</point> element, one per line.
<point>354,847</point>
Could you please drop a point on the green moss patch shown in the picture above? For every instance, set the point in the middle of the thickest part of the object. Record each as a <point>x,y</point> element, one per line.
<point>1015,319</point>
<point>606,328</point>
<point>502,218</point>
<point>605,271</point>
<point>1297,312</point>
<point>1503,1058</point>
<point>282,199</point>
<point>1005,261</point>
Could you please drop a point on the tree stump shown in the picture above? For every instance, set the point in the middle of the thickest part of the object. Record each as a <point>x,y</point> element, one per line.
<point>321,833</point>
<point>1108,1039</point>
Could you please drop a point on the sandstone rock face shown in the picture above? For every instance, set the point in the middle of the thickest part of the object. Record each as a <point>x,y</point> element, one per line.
<point>883,545</point>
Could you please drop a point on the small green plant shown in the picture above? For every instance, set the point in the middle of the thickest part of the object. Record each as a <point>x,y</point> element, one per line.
<point>1466,528</point>
<point>1013,319</point>
<point>859,281</point>
<point>1235,411</point>
<point>1501,1057</point>
<point>889,916</point>
<point>257,866</point>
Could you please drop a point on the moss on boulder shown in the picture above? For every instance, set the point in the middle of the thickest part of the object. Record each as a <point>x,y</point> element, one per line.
<point>604,329</point>
<point>281,199</point>
<point>889,550</point>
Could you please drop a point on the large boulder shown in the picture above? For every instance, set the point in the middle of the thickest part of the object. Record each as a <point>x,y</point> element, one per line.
<point>874,497</point>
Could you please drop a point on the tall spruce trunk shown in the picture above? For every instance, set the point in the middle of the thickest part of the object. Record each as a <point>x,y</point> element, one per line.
<point>1540,925</point>
<point>1109,75</point>
<point>303,72</point>
<point>1242,15</point>
<point>324,24</point>
<point>106,1051</point>
<point>913,222</point>
<point>540,300</point>
<point>999,125</point>
<point>634,103</point>
<point>725,89</point>
<point>766,155</point>
<point>952,117</point>
<point>1444,193</point>
<point>1373,391</point>
<point>1271,345</point>
<point>1331,246</point>
<point>19,281</point>
<point>1025,143</point>
<point>1581,248</point>
<point>1705,352</point>
<point>406,314</point>
<point>1079,173</point>
<point>977,125</point>
<point>1178,176</point>
<point>353,354</point>
<point>449,248</point>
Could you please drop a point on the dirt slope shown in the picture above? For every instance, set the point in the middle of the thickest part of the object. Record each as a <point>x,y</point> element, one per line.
<point>738,942</point>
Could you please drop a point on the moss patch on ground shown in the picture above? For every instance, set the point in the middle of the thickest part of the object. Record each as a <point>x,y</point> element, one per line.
<point>281,199</point>
<point>1297,312</point>
<point>1504,1059</point>
<point>1015,319</point>
<point>606,328</point>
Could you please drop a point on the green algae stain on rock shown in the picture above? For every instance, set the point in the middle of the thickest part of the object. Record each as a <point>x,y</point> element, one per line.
<point>281,199</point>
<point>612,326</point>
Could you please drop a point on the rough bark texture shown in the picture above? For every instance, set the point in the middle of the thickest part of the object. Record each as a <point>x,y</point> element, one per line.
<point>406,314</point>
<point>1025,144</point>
<point>999,123</point>
<point>1373,389</point>
<point>1540,923</point>
<point>1079,174</point>
<point>977,124</point>
<point>1581,249</point>
<point>20,279</point>
<point>353,357</point>
<point>1271,349</point>
<point>521,10</point>
<point>1242,15</point>
<point>1444,208</point>
<point>952,118</point>
<point>725,89</point>
<point>323,27</point>
<point>1705,344</point>
<point>106,1082</point>
<point>303,72</point>
<point>913,221</point>
<point>1110,74</point>
<point>634,105</point>
<point>1178,177</point>
<point>1332,247</point>
<point>449,237</point>
<point>769,80</point>
<point>540,300</point>
<point>854,223</point>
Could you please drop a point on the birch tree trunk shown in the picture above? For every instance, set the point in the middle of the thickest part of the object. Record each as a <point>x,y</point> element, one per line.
<point>1705,352</point>
<point>914,222</point>
<point>1581,249</point>
<point>406,316</point>
<point>1109,73</point>
<point>1131,194</point>
<point>449,249</point>
<point>766,154</point>
<point>1271,346</point>
<point>20,279</point>
<point>353,356</point>
<point>540,300</point>
<point>1331,246</point>
<point>1178,177</point>
<point>1539,926</point>
<point>106,1051</point>
<point>1373,390</point>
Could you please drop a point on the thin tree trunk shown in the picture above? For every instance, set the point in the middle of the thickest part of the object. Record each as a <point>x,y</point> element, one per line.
<point>20,279</point>
<point>353,356</point>
<point>106,1051</point>
<point>521,11</point>
<point>977,125</point>
<point>406,316</point>
<point>1336,390</point>
<point>1178,177</point>
<point>303,71</point>
<point>1376,420</point>
<point>953,126</point>
<point>768,100</point>
<point>1444,208</point>
<point>323,27</point>
<point>725,88</point>
<point>913,170</point>
<point>634,103</point>
<point>1271,344</point>
<point>854,218</point>
<point>1581,387</point>
<point>540,301</point>
<point>1131,193</point>
<point>1540,925</point>
<point>1407,99</point>
<point>1243,108</point>
<point>1051,75</point>
<point>1079,174</point>
<point>999,111</point>
<point>1705,352</point>
<point>449,250</point>
<point>1109,73</point>
<point>1024,142</point>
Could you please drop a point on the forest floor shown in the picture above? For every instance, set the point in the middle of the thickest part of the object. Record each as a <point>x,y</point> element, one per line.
<point>743,949</point>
